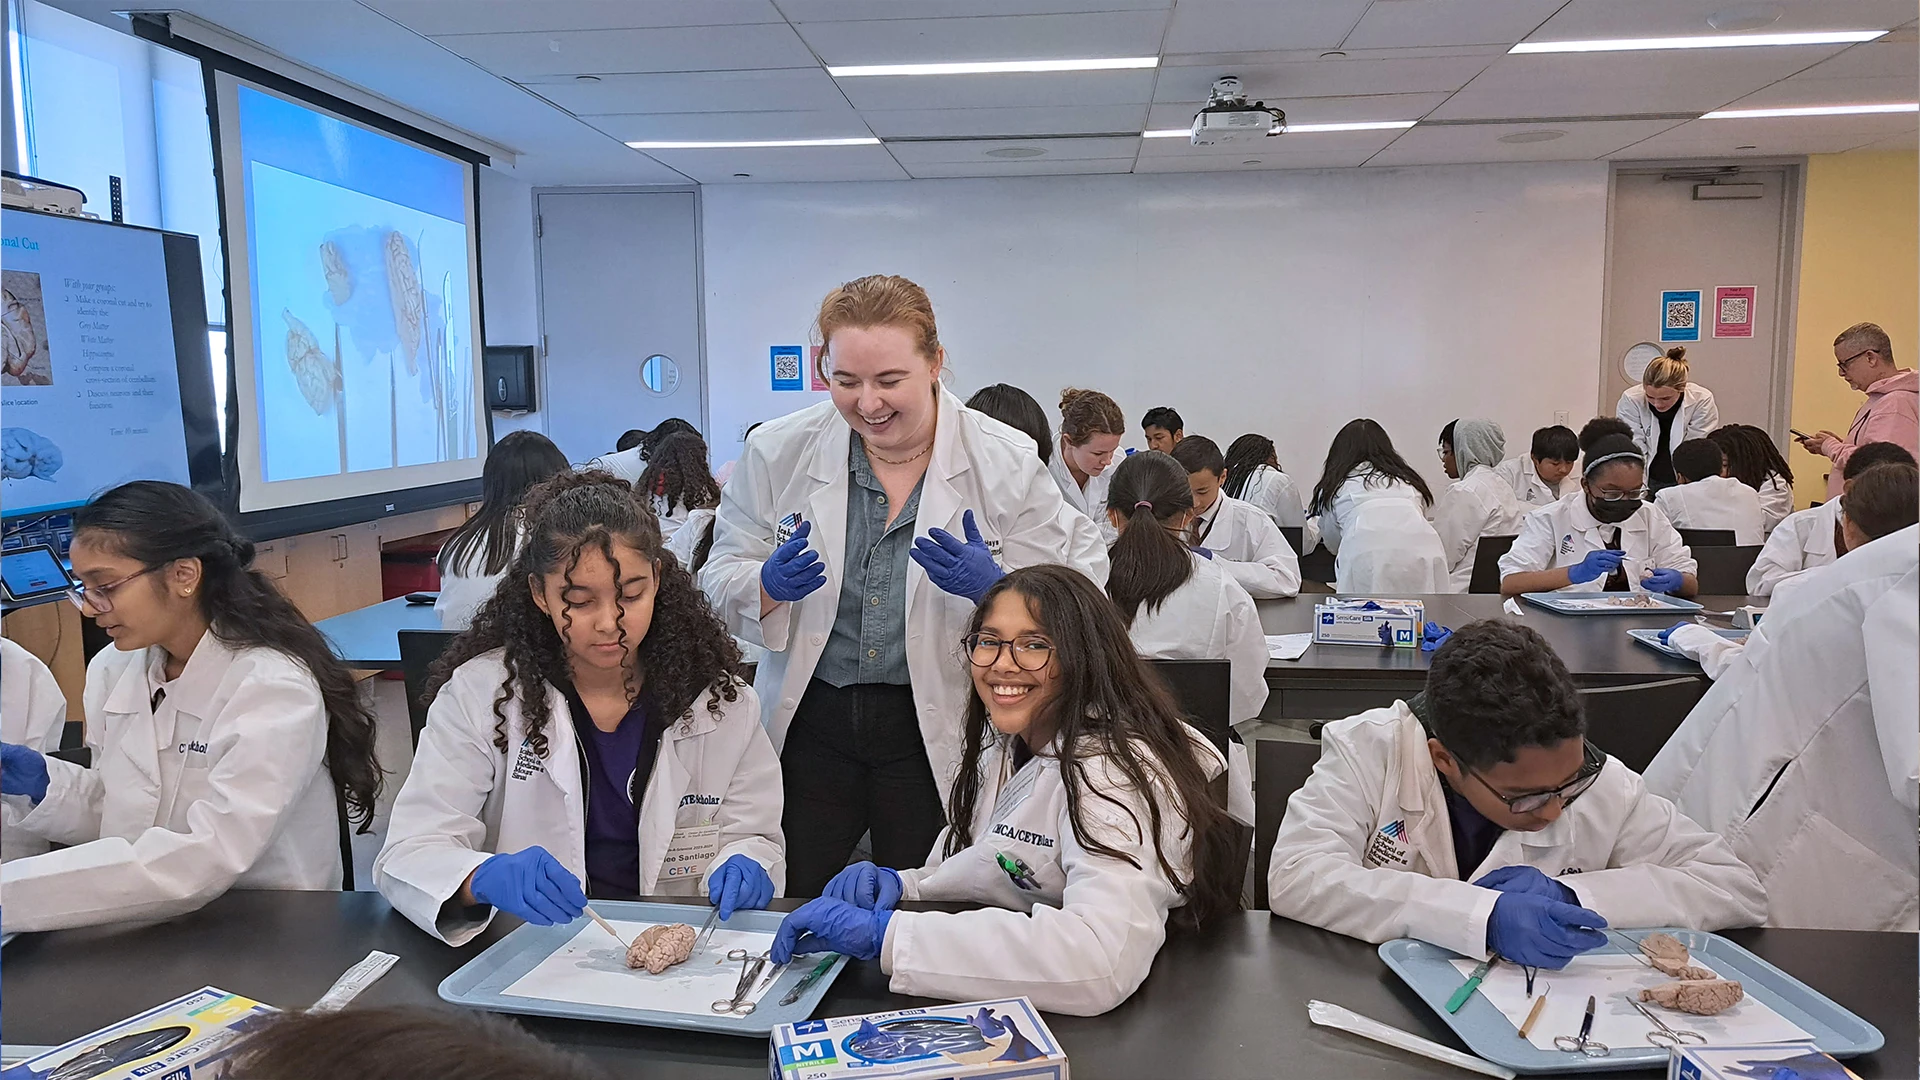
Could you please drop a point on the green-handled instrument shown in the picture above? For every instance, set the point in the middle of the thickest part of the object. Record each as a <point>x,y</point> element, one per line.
<point>1467,988</point>
<point>806,981</point>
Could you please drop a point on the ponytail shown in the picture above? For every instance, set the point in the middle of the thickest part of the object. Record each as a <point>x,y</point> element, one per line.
<point>1148,561</point>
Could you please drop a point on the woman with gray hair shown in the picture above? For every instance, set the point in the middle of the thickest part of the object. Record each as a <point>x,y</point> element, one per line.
<point>1478,504</point>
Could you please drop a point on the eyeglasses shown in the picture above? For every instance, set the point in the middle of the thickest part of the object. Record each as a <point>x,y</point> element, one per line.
<point>1029,654</point>
<point>1592,761</point>
<point>1621,496</point>
<point>1844,364</point>
<point>101,596</point>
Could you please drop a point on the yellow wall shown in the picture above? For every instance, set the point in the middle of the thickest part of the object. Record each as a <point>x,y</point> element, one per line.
<point>1859,261</point>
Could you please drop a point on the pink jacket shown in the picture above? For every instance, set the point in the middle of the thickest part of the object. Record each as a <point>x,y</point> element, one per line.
<point>1891,414</point>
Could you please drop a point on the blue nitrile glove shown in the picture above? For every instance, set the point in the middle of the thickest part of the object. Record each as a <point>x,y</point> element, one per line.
<point>1529,880</point>
<point>793,571</point>
<point>1433,635</point>
<point>1599,563</point>
<point>865,885</point>
<point>829,925</point>
<point>1663,581</point>
<point>962,569</point>
<point>1538,932</point>
<point>739,884</point>
<point>531,884</point>
<point>1667,635</point>
<point>23,771</point>
<point>1205,553</point>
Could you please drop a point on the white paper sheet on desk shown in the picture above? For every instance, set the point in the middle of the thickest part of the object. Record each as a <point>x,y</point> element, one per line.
<point>1288,646</point>
<point>1609,977</point>
<point>592,969</point>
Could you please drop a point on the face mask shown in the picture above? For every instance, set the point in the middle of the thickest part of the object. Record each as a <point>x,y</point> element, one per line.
<point>1612,513</point>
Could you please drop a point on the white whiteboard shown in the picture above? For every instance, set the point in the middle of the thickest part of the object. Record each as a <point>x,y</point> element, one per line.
<point>1281,302</point>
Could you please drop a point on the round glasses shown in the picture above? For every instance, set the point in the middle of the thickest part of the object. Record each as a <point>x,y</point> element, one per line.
<point>1029,654</point>
<point>1593,759</point>
<point>101,596</point>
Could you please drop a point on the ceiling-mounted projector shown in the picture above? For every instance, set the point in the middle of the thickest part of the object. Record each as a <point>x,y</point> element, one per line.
<point>1228,118</point>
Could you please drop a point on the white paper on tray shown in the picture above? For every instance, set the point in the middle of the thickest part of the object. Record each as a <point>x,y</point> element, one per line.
<point>1288,646</point>
<point>1610,977</point>
<point>591,969</point>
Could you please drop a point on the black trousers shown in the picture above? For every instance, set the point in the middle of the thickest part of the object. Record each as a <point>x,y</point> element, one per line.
<point>854,762</point>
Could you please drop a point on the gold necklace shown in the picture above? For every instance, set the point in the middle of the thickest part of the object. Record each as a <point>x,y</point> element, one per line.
<point>903,461</point>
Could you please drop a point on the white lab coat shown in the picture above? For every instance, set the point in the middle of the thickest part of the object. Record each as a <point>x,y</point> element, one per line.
<point>1776,502</point>
<point>714,793</point>
<point>1091,501</point>
<point>1378,532</point>
<point>1562,534</point>
<point>33,712</point>
<point>1806,753</point>
<point>1521,475</point>
<point>1717,502</point>
<point>1698,415</point>
<point>670,519</point>
<point>466,585</point>
<point>689,534</point>
<point>1083,941</point>
<point>1274,492</point>
<point>1366,849</point>
<point>626,464</point>
<point>1209,617</point>
<point>224,786</point>
<point>1803,541</point>
<point>1247,544</point>
<point>795,468</point>
<point>1476,505</point>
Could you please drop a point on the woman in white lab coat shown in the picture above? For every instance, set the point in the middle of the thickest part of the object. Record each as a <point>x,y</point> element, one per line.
<point>1090,431</point>
<point>221,725</point>
<point>33,713</point>
<point>587,737</point>
<point>811,559</point>
<point>1081,820</point>
<point>1603,538</point>
<point>1480,503</point>
<point>1665,410</point>
<point>1370,507</point>
<point>1753,460</point>
<point>1706,498</point>
<point>677,482</point>
<point>1254,476</point>
<point>1494,756</point>
<point>475,557</point>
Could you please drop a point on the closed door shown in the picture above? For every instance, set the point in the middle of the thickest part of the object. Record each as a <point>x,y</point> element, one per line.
<point>1663,239</point>
<point>619,315</point>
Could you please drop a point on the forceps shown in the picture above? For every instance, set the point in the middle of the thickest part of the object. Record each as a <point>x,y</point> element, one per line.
<point>1580,1044</point>
<point>751,966</point>
<point>1666,1036</point>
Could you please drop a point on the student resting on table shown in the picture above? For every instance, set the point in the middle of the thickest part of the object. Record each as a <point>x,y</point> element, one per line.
<point>33,714</point>
<point>1539,476</point>
<point>1082,818</point>
<point>1704,497</point>
<point>475,557</point>
<point>587,736</point>
<point>1813,537</point>
<point>222,728</point>
<point>1479,818</point>
<point>1237,535</point>
<point>1602,537</point>
<point>1254,476</point>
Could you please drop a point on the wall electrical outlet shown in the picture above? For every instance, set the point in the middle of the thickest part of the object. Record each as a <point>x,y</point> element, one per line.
<point>1561,417</point>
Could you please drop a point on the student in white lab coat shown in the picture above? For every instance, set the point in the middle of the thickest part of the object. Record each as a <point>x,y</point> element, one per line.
<point>1602,538</point>
<point>1813,537</point>
<point>1090,431</point>
<point>629,459</point>
<point>1753,460</point>
<point>475,557</point>
<point>1371,512</point>
<point>677,481</point>
<point>587,737</point>
<point>1540,476</point>
<point>1479,503</point>
<point>814,558</point>
<point>1081,820</point>
<point>1706,498</point>
<point>1805,753</point>
<point>1238,536</point>
<point>1479,818</point>
<point>1665,410</point>
<point>1254,476</point>
<point>1017,409</point>
<point>33,713</point>
<point>221,727</point>
<point>1163,428</point>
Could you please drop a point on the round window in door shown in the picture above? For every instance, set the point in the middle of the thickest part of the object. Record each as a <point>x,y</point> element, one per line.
<point>659,374</point>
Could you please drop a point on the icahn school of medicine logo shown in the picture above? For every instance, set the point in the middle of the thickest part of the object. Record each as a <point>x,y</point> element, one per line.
<point>1387,847</point>
<point>1566,544</point>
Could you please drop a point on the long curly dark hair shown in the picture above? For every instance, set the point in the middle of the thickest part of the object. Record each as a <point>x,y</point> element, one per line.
<point>678,474</point>
<point>687,649</point>
<point>1248,454</point>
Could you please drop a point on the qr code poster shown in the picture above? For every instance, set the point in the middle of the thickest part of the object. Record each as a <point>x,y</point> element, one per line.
<point>787,373</point>
<point>815,382</point>
<point>1680,315</point>
<point>1733,313</point>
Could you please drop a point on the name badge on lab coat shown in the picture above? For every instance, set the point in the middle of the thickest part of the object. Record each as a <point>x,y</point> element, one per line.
<point>689,852</point>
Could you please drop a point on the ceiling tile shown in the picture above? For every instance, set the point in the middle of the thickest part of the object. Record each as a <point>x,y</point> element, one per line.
<point>1688,18</point>
<point>910,154</point>
<point>1032,167</point>
<point>1358,144</point>
<point>1054,88</point>
<point>435,17</point>
<point>1788,93</point>
<point>807,11</point>
<point>1453,144</point>
<point>1316,159</point>
<point>842,123</point>
<point>796,163</point>
<point>1023,37</point>
<point>1334,110</point>
<point>1033,120</point>
<point>1871,60</point>
<point>775,89</point>
<point>1623,83</point>
<point>1769,137</point>
<point>682,48</point>
<point>1279,83</point>
<point>1392,24</point>
<point>1204,26</point>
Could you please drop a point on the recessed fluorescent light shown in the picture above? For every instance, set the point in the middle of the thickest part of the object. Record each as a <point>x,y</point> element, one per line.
<point>1727,41</point>
<point>1296,129</point>
<point>1813,110</point>
<point>755,145</point>
<point>994,67</point>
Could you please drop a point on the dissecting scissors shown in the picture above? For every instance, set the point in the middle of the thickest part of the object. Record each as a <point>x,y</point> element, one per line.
<point>750,969</point>
<point>1581,1044</point>
<point>1666,1036</point>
